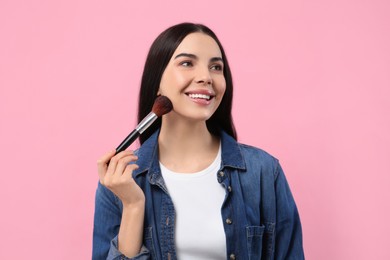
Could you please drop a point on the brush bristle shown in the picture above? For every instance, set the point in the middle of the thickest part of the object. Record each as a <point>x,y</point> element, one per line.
<point>162,105</point>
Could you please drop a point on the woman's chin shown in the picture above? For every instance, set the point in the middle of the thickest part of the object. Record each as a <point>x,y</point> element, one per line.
<point>191,118</point>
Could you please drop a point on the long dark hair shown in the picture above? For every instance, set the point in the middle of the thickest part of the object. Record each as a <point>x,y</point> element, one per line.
<point>158,58</point>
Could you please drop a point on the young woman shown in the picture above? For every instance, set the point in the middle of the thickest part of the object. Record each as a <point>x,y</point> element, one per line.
<point>191,191</point>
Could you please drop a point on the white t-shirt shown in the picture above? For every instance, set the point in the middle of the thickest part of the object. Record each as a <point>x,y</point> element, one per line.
<point>198,198</point>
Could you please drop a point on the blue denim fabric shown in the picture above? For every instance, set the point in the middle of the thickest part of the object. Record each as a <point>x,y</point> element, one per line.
<point>260,217</point>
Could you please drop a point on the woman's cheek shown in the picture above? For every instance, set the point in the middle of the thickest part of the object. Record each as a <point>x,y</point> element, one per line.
<point>181,80</point>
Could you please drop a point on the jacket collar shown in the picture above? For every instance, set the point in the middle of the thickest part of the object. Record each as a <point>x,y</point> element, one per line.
<point>231,154</point>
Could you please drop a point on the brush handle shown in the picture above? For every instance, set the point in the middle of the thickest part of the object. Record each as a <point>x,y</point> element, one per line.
<point>127,142</point>
<point>141,127</point>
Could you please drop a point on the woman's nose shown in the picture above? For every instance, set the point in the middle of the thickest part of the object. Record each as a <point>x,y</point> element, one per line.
<point>203,76</point>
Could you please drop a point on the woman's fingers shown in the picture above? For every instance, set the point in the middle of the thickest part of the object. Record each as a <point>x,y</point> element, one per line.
<point>128,172</point>
<point>117,176</point>
<point>120,160</point>
<point>102,164</point>
<point>114,161</point>
<point>123,162</point>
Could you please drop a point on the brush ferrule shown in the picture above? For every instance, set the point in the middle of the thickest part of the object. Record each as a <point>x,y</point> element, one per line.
<point>146,122</point>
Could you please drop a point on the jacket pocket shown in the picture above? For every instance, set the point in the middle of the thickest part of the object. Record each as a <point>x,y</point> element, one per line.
<point>254,236</point>
<point>148,241</point>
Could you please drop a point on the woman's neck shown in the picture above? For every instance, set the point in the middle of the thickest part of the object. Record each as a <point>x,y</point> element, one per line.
<point>186,147</point>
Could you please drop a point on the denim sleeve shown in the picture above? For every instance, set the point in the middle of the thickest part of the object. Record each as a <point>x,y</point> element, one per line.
<point>107,221</point>
<point>114,253</point>
<point>288,240</point>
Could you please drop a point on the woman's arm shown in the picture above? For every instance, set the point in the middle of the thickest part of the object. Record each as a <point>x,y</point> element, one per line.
<point>131,229</point>
<point>116,183</point>
<point>288,240</point>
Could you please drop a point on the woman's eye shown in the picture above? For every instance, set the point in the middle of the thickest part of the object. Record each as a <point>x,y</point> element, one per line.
<point>186,63</point>
<point>216,67</point>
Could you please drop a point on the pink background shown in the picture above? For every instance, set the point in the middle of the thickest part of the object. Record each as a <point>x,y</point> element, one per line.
<point>312,87</point>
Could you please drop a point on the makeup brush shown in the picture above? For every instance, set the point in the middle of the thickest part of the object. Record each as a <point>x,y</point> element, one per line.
<point>162,105</point>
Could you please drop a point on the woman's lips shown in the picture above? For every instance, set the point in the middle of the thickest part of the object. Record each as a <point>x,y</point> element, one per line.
<point>202,97</point>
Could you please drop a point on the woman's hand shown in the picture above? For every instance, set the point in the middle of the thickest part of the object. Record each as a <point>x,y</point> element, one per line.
<point>117,177</point>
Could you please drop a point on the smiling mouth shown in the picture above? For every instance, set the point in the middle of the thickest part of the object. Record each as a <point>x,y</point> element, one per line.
<point>200,96</point>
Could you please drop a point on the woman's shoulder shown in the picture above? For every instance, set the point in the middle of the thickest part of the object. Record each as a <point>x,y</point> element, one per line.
<point>258,159</point>
<point>250,150</point>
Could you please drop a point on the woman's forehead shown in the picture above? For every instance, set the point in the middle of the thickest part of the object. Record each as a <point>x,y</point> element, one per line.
<point>199,44</point>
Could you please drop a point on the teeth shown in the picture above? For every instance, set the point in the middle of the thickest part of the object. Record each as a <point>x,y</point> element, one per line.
<point>199,96</point>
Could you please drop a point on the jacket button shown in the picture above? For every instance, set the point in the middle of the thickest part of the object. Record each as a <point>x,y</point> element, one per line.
<point>229,221</point>
<point>230,188</point>
<point>221,174</point>
<point>232,256</point>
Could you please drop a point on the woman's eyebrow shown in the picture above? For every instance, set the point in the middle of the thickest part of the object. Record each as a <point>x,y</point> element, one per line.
<point>214,59</point>
<point>188,55</point>
<point>193,56</point>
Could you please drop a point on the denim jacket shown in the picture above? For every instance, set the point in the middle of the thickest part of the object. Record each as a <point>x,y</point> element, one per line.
<point>259,214</point>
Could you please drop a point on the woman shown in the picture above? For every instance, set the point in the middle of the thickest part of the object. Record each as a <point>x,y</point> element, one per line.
<point>191,191</point>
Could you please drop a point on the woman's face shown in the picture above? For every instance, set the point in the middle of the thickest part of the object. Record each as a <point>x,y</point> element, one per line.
<point>193,79</point>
